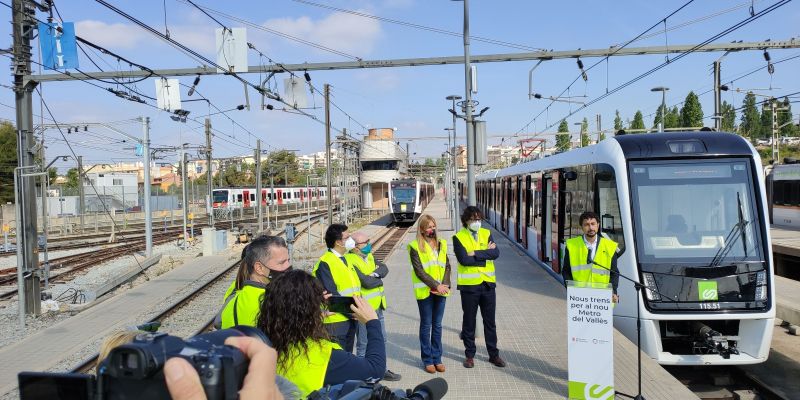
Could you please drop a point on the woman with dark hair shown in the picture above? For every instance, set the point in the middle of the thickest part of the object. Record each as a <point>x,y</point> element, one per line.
<point>290,317</point>
<point>263,260</point>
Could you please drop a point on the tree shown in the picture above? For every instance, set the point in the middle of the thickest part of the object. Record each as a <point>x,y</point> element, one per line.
<point>672,120</point>
<point>751,118</point>
<point>584,132</point>
<point>691,112</point>
<point>562,139</point>
<point>280,165</point>
<point>617,121</point>
<point>8,161</point>
<point>784,117</point>
<point>766,119</point>
<point>72,178</point>
<point>659,118</point>
<point>638,121</point>
<point>728,116</point>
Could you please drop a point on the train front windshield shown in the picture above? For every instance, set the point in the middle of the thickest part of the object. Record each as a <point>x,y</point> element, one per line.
<point>220,196</point>
<point>698,221</point>
<point>403,195</point>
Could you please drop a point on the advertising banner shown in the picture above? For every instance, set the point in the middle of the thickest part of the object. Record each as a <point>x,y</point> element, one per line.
<point>590,332</point>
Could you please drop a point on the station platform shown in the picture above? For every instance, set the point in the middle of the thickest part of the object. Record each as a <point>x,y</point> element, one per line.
<point>47,347</point>
<point>785,240</point>
<point>531,328</point>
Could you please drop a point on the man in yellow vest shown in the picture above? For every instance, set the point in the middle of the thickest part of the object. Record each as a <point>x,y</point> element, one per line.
<point>476,251</point>
<point>339,278</point>
<point>370,274</point>
<point>591,258</point>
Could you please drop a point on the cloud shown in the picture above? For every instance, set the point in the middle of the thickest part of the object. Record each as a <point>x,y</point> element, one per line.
<point>344,32</point>
<point>125,36</point>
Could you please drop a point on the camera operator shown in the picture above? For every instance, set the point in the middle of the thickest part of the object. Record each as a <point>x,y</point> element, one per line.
<point>290,316</point>
<point>183,381</point>
<point>263,260</point>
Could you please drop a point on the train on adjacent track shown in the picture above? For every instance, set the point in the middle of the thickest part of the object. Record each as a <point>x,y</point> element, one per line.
<point>246,197</point>
<point>783,183</point>
<point>408,198</point>
<point>689,212</point>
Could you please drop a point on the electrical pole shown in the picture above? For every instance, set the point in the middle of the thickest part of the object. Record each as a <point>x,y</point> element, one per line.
<point>259,209</point>
<point>468,112</point>
<point>345,173</point>
<point>148,213</point>
<point>328,150</point>
<point>717,96</point>
<point>185,197</point>
<point>599,128</point>
<point>775,135</point>
<point>23,26</point>
<point>454,175</point>
<point>209,179</point>
<point>81,192</point>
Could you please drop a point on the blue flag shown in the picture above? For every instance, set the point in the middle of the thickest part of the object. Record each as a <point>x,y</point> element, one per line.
<point>59,48</point>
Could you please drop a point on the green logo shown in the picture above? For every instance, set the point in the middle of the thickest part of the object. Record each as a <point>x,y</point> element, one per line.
<point>707,290</point>
<point>584,391</point>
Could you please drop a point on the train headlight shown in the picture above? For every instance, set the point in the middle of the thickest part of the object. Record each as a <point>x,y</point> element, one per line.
<point>761,278</point>
<point>650,282</point>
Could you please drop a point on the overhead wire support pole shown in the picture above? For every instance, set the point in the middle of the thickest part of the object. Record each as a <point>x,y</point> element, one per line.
<point>468,112</point>
<point>23,26</point>
<point>328,192</point>
<point>148,212</point>
<point>259,208</point>
<point>184,194</point>
<point>209,176</point>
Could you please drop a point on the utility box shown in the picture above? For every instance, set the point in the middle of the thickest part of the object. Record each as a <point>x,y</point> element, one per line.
<point>479,128</point>
<point>221,242</point>
<point>209,237</point>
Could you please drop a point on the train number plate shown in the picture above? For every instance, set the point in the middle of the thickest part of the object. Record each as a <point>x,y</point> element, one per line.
<point>709,306</point>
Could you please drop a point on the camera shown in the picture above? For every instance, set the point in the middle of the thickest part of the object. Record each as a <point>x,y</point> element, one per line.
<point>433,389</point>
<point>135,370</point>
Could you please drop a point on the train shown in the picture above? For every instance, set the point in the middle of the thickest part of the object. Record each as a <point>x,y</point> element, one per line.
<point>689,212</point>
<point>408,198</point>
<point>246,197</point>
<point>783,182</point>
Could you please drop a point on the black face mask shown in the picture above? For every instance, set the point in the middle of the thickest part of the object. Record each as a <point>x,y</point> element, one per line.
<point>274,274</point>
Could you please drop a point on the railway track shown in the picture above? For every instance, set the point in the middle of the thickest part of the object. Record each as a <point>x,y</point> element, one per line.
<point>388,240</point>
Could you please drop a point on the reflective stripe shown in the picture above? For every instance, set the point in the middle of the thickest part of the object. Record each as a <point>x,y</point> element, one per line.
<point>420,285</point>
<point>468,276</point>
<point>488,273</point>
<point>601,271</point>
<point>433,262</point>
<point>373,295</point>
<point>348,292</point>
<point>582,267</point>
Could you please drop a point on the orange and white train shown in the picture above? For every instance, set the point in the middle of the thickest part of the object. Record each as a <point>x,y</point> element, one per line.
<point>246,197</point>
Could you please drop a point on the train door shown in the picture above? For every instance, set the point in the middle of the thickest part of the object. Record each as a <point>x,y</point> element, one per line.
<point>279,193</point>
<point>526,200</point>
<point>550,253</point>
<point>263,197</point>
<point>503,205</point>
<point>518,218</point>
<point>246,198</point>
<point>494,201</point>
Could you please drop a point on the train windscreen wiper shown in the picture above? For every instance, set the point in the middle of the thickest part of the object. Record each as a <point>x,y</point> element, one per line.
<point>738,230</point>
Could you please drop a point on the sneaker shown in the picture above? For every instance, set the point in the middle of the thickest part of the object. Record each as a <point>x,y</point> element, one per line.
<point>497,361</point>
<point>430,369</point>
<point>440,367</point>
<point>390,376</point>
<point>469,362</point>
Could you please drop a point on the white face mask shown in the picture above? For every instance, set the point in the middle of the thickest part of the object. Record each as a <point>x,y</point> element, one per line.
<point>349,244</point>
<point>475,226</point>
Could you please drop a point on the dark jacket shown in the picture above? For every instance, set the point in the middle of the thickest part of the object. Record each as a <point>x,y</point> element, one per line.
<point>477,260</point>
<point>416,264</point>
<point>566,271</point>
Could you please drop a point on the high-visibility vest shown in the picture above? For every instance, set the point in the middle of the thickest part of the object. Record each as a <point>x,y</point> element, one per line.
<point>469,275</point>
<point>591,272</point>
<point>433,264</point>
<point>307,369</point>
<point>346,279</point>
<point>375,296</point>
<point>244,306</point>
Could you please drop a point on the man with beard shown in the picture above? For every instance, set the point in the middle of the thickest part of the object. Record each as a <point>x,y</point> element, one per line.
<point>590,257</point>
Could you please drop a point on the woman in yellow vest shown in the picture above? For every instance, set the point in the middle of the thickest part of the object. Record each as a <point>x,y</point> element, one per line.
<point>290,317</point>
<point>431,279</point>
<point>263,260</point>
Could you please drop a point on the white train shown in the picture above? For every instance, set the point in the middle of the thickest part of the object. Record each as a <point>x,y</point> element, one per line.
<point>246,197</point>
<point>687,210</point>
<point>784,182</point>
<point>408,198</point>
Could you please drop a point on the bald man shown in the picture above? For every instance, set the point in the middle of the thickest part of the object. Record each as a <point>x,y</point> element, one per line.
<point>370,273</point>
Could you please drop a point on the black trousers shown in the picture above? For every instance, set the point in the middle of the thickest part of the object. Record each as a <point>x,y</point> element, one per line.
<point>343,333</point>
<point>484,297</point>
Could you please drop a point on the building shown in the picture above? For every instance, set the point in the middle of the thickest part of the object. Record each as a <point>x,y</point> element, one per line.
<point>381,160</point>
<point>120,190</point>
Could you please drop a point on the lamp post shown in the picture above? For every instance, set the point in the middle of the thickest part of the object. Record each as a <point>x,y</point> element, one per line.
<point>454,175</point>
<point>663,91</point>
<point>580,134</point>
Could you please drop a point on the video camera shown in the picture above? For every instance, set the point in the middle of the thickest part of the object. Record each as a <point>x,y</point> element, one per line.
<point>135,370</point>
<point>433,389</point>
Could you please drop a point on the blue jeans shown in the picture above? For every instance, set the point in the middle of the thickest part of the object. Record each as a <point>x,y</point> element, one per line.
<point>361,335</point>
<point>431,311</point>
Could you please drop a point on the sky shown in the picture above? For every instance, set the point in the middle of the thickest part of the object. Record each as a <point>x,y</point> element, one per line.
<point>410,99</point>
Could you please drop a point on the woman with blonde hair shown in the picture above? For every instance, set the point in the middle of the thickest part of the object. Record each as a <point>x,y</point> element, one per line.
<point>431,280</point>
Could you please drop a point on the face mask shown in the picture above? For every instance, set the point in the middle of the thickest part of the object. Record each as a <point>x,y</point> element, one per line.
<point>475,226</point>
<point>349,244</point>
<point>430,233</point>
<point>274,274</point>
<point>367,249</point>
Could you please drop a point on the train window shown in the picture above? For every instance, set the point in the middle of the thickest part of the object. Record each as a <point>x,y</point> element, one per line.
<point>608,204</point>
<point>252,197</point>
<point>238,198</point>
